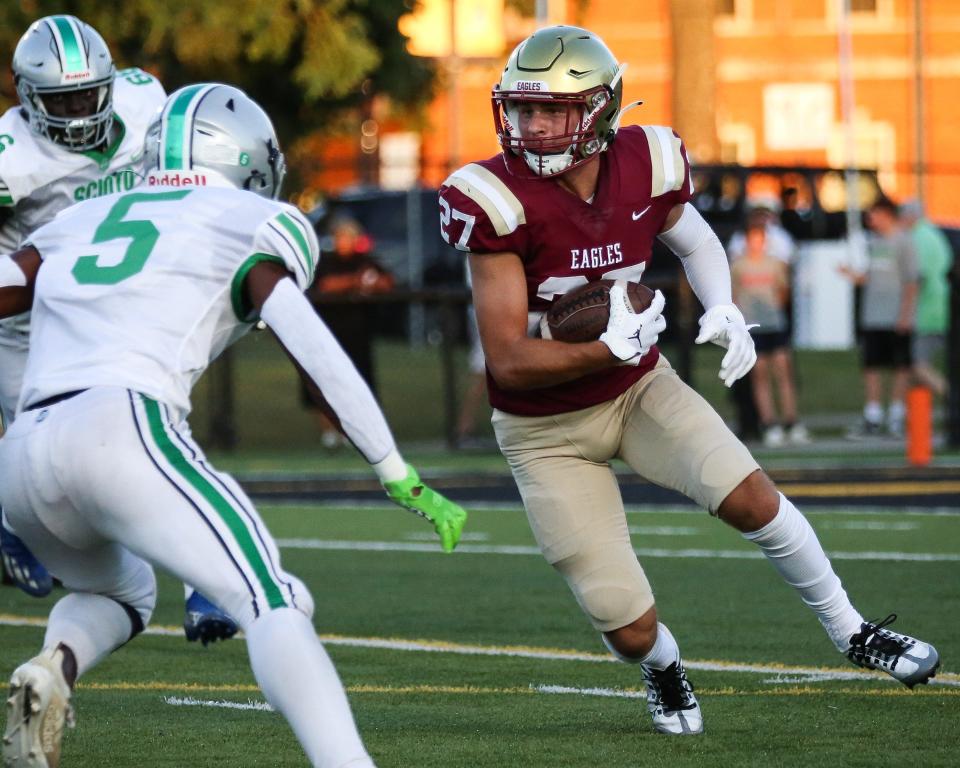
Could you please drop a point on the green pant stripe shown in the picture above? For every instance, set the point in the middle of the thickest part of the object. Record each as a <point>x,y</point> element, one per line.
<point>220,505</point>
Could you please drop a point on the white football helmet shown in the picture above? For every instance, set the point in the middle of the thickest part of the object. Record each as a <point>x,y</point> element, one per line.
<point>218,129</point>
<point>60,56</point>
<point>566,66</point>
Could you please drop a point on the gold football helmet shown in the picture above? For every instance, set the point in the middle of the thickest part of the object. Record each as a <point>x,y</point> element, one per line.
<point>567,70</point>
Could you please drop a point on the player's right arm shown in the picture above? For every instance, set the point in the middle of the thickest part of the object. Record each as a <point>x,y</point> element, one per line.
<point>18,274</point>
<point>515,360</point>
<point>276,298</point>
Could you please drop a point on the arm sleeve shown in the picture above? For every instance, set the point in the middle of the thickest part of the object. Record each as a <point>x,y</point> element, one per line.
<point>307,338</point>
<point>702,256</point>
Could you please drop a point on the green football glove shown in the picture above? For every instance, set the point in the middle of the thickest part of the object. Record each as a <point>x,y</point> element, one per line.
<point>447,517</point>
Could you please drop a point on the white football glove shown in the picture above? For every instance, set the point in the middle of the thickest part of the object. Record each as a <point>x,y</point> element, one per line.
<point>630,335</point>
<point>724,326</point>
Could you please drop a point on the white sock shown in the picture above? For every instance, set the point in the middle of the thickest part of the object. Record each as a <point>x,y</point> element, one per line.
<point>896,413</point>
<point>873,412</point>
<point>92,626</point>
<point>299,680</point>
<point>665,650</point>
<point>791,545</point>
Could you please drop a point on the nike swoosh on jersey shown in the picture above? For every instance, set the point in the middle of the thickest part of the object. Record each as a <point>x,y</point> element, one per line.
<point>638,215</point>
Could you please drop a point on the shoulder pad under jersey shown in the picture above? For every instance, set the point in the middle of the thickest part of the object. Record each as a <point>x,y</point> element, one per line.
<point>669,168</point>
<point>489,211</point>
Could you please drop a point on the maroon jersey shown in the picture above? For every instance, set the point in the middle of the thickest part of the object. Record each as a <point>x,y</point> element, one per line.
<point>565,242</point>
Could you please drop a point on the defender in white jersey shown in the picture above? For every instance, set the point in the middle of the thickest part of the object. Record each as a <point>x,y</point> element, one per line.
<point>76,134</point>
<point>134,295</point>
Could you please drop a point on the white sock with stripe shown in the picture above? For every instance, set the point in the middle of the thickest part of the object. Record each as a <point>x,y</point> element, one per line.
<point>792,547</point>
<point>299,680</point>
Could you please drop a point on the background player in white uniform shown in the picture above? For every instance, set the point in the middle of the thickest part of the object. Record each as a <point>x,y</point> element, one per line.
<point>134,295</point>
<point>76,135</point>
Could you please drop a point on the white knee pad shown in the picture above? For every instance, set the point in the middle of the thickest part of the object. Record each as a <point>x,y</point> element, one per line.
<point>612,590</point>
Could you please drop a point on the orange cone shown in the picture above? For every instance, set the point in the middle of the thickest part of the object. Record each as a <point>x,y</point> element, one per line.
<point>919,426</point>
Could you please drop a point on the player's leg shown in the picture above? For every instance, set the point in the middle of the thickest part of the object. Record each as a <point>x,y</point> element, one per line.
<point>199,525</point>
<point>204,621</point>
<point>695,453</point>
<point>574,508</point>
<point>111,596</point>
<point>19,567</point>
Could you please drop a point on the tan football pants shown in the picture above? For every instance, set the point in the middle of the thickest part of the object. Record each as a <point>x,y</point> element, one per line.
<point>665,432</point>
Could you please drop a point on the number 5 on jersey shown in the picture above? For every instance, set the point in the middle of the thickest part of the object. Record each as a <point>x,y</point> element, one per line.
<point>143,236</point>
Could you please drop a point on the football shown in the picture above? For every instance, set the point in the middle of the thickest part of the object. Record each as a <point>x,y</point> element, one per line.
<point>582,314</point>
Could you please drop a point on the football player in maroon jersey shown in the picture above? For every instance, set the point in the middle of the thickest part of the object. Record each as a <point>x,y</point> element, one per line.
<point>571,199</point>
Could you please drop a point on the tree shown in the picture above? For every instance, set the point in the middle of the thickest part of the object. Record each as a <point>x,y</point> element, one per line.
<point>304,61</point>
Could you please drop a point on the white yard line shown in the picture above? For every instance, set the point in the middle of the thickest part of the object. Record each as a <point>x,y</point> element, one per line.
<point>777,671</point>
<point>528,550</point>
<point>632,509</point>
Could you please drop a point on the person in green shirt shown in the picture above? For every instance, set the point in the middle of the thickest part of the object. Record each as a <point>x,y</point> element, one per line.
<point>935,259</point>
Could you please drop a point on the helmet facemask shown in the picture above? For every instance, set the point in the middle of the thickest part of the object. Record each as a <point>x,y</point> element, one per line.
<point>58,59</point>
<point>586,129</point>
<point>559,69</point>
<point>77,133</point>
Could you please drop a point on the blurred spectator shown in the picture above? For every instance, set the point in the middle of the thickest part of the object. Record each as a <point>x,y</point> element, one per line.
<point>796,220</point>
<point>935,259</point>
<point>347,267</point>
<point>780,245</point>
<point>887,314</point>
<point>474,395</point>
<point>761,289</point>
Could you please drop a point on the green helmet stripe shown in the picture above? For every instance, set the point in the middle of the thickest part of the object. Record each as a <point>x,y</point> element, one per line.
<point>177,127</point>
<point>67,34</point>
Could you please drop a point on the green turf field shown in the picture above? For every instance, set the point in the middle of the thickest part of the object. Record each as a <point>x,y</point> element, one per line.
<point>481,658</point>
